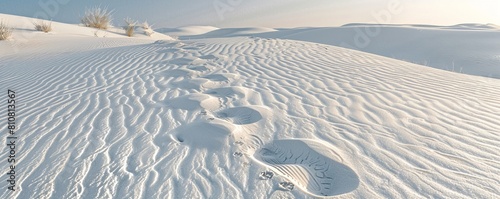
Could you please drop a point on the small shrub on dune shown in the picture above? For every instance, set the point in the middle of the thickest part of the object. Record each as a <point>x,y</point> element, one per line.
<point>130,27</point>
<point>146,25</point>
<point>148,30</point>
<point>5,31</point>
<point>43,26</point>
<point>97,17</point>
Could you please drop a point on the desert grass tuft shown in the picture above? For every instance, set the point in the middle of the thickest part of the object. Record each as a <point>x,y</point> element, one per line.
<point>130,26</point>
<point>148,29</point>
<point>43,26</point>
<point>97,17</point>
<point>5,31</point>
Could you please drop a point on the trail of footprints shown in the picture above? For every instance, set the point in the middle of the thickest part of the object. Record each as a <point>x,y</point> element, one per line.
<point>209,93</point>
<point>310,165</point>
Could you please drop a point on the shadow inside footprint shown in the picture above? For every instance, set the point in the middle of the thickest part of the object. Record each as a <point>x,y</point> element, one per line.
<point>204,135</point>
<point>199,68</point>
<point>240,115</point>
<point>234,91</point>
<point>208,57</point>
<point>177,73</point>
<point>311,165</point>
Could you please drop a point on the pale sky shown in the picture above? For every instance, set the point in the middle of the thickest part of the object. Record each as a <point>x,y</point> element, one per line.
<point>268,13</point>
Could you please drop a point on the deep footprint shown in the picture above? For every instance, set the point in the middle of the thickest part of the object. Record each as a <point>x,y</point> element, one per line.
<point>311,165</point>
<point>205,135</point>
<point>244,115</point>
<point>230,92</point>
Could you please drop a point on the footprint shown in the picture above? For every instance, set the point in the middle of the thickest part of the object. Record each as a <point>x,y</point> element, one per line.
<point>310,165</point>
<point>201,68</point>
<point>238,154</point>
<point>230,92</point>
<point>194,101</point>
<point>266,175</point>
<point>244,115</point>
<point>286,186</point>
<point>188,61</point>
<point>209,57</point>
<point>205,135</point>
<point>195,83</point>
<point>209,81</point>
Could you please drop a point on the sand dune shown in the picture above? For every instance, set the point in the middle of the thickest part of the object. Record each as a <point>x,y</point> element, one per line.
<point>146,118</point>
<point>186,31</point>
<point>463,48</point>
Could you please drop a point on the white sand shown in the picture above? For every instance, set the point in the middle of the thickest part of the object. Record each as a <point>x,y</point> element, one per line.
<point>466,48</point>
<point>119,117</point>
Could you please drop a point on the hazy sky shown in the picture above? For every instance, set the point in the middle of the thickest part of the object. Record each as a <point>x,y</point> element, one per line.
<point>267,13</point>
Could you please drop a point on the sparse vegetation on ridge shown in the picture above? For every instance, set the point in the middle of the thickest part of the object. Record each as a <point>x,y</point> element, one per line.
<point>5,30</point>
<point>130,26</point>
<point>148,30</point>
<point>97,17</point>
<point>43,26</point>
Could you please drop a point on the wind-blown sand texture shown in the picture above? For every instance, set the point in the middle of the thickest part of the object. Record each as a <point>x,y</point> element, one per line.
<point>148,118</point>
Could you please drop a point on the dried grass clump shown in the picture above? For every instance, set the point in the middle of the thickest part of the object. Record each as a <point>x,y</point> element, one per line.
<point>130,26</point>
<point>5,31</point>
<point>43,26</point>
<point>148,29</point>
<point>97,17</point>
